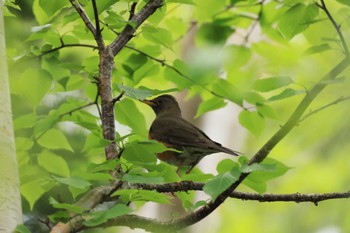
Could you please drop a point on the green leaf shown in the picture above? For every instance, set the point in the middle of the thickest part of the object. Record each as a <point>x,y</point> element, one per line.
<point>289,92</point>
<point>73,181</point>
<point>297,19</point>
<point>213,33</point>
<point>50,9</point>
<point>143,153</point>
<point>69,207</point>
<point>33,84</point>
<point>142,178</point>
<point>100,217</point>
<point>272,83</point>
<point>142,195</point>
<point>210,105</point>
<point>228,91</point>
<point>189,2</point>
<point>128,114</point>
<point>158,35</point>
<point>252,121</point>
<point>53,163</point>
<point>344,2</point>
<point>22,229</point>
<point>29,195</point>
<point>54,139</point>
<point>142,93</point>
<point>25,121</point>
<point>316,49</point>
<point>226,165</point>
<point>261,173</point>
<point>221,182</point>
<point>267,111</point>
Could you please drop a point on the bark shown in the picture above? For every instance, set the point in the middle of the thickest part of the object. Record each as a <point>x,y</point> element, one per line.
<point>10,199</point>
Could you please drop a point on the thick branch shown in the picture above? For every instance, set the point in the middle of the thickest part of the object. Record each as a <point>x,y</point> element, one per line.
<point>136,21</point>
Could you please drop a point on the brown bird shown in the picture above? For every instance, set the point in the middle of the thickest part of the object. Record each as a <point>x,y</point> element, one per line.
<point>170,129</point>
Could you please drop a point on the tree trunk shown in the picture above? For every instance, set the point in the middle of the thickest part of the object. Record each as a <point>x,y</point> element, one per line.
<point>10,199</point>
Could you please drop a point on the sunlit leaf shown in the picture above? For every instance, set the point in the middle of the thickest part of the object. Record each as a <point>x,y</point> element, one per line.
<point>53,163</point>
<point>272,83</point>
<point>221,182</point>
<point>289,92</point>
<point>54,139</point>
<point>142,195</point>
<point>252,121</point>
<point>210,105</point>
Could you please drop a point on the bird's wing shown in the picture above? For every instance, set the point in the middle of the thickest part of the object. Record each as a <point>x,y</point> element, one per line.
<point>179,132</point>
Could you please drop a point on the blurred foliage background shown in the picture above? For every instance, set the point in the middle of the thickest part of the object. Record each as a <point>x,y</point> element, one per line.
<point>251,60</point>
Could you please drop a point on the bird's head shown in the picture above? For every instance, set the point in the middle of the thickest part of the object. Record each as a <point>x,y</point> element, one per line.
<point>164,105</point>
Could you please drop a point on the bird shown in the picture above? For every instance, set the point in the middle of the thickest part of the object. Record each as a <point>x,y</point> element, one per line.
<point>191,144</point>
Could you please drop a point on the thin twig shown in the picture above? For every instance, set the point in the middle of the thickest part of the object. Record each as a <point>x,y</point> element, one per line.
<point>97,35</point>
<point>116,99</point>
<point>77,109</point>
<point>255,23</point>
<point>84,16</point>
<point>132,10</point>
<point>341,99</point>
<point>65,46</point>
<point>336,26</point>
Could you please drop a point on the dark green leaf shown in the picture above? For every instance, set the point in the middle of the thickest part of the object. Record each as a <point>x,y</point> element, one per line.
<point>213,33</point>
<point>272,83</point>
<point>22,229</point>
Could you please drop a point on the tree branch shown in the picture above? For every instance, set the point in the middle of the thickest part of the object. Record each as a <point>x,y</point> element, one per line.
<point>97,35</point>
<point>336,26</point>
<point>65,46</point>
<point>83,16</point>
<point>136,21</point>
<point>341,99</point>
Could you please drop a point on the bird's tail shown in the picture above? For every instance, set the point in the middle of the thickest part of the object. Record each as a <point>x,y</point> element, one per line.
<point>229,151</point>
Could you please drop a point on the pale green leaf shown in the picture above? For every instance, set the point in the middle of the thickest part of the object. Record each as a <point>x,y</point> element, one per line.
<point>54,139</point>
<point>252,121</point>
<point>271,83</point>
<point>53,163</point>
<point>210,105</point>
<point>73,181</point>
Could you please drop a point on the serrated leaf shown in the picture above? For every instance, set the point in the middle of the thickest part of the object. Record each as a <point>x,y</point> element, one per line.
<point>210,105</point>
<point>297,19</point>
<point>142,195</point>
<point>73,181</point>
<point>252,121</point>
<point>272,83</point>
<point>289,92</point>
<point>54,139</point>
<point>221,182</point>
<point>100,217</point>
<point>53,163</point>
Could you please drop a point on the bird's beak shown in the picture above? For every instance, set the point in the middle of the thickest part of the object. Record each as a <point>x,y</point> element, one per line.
<point>148,102</point>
